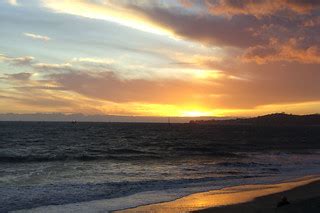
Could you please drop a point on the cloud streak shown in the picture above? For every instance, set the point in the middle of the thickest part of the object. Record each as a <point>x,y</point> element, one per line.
<point>37,36</point>
<point>54,67</point>
<point>113,11</point>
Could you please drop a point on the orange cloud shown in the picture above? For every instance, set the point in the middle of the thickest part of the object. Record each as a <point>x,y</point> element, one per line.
<point>259,8</point>
<point>289,51</point>
<point>186,3</point>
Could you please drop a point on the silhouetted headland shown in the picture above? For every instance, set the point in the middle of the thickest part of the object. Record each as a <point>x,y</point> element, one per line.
<point>270,119</point>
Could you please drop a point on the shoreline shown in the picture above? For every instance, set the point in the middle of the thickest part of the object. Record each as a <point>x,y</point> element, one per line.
<point>242,198</point>
<point>205,201</point>
<point>301,199</point>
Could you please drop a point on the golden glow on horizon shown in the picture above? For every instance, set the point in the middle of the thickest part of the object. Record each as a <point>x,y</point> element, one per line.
<point>86,105</point>
<point>207,74</point>
<point>195,114</point>
<point>171,110</point>
<point>91,106</point>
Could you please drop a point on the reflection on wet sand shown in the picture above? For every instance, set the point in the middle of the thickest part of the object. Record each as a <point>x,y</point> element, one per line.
<point>226,196</point>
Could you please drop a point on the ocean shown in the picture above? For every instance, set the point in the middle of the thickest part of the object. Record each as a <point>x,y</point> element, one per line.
<point>52,163</point>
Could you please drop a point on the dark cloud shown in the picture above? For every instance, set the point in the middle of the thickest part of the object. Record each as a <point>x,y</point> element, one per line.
<point>206,28</point>
<point>246,32</point>
<point>23,76</point>
<point>292,50</point>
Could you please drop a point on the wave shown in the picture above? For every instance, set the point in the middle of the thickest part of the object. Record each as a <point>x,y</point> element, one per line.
<point>58,194</point>
<point>111,154</point>
<point>26,159</point>
<point>244,164</point>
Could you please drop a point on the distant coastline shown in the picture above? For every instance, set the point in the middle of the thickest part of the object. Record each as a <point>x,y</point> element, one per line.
<point>270,119</point>
<point>79,117</point>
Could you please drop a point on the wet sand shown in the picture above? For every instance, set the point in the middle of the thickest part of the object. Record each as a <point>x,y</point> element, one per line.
<point>303,195</point>
<point>302,199</point>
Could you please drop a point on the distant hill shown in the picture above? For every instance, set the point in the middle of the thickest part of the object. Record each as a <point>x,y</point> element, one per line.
<point>271,119</point>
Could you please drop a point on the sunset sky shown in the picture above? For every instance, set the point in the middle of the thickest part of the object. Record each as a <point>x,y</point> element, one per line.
<point>160,57</point>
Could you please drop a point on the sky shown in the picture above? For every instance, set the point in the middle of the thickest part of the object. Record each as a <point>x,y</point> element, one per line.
<point>160,57</point>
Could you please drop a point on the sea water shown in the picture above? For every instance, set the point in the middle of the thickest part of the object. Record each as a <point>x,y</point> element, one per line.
<point>130,164</point>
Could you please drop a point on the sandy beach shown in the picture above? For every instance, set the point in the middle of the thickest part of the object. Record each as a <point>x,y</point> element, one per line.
<point>303,195</point>
<point>302,199</point>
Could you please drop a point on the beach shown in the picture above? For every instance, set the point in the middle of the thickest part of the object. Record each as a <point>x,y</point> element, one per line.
<point>304,198</point>
<point>303,195</point>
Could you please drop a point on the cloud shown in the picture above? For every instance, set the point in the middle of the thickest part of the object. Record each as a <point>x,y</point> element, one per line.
<point>186,3</point>
<point>283,41</point>
<point>108,86</point>
<point>94,60</point>
<point>247,34</point>
<point>206,29</point>
<point>40,88</point>
<point>20,61</point>
<point>312,22</point>
<point>23,76</point>
<point>113,11</point>
<point>28,98</point>
<point>246,26</point>
<point>53,67</point>
<point>237,88</point>
<point>271,85</point>
<point>290,52</point>
<point>72,65</point>
<point>69,88</point>
<point>13,2</point>
<point>260,8</point>
<point>26,60</point>
<point>24,94</point>
<point>37,37</point>
<point>217,90</point>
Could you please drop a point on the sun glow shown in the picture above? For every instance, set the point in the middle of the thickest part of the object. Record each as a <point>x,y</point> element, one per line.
<point>205,74</point>
<point>195,114</point>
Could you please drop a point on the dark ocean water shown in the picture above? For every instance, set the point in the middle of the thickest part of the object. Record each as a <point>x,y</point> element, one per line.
<point>59,163</point>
